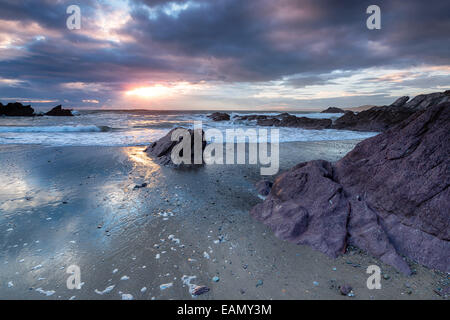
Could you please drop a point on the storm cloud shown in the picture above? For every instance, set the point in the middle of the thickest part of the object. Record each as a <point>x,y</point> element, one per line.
<point>296,44</point>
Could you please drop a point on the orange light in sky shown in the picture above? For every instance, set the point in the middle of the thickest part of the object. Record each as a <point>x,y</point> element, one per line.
<point>160,90</point>
<point>149,92</point>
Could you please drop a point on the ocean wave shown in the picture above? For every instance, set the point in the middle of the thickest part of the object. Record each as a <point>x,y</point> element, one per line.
<point>38,129</point>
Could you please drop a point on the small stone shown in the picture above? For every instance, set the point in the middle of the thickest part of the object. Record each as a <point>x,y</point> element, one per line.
<point>345,289</point>
<point>386,276</point>
<point>199,290</point>
<point>259,283</point>
<point>216,279</point>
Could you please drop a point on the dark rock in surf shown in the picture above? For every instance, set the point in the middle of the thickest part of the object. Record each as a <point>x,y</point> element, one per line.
<point>292,121</point>
<point>389,196</point>
<point>16,109</point>
<point>219,116</point>
<point>58,111</point>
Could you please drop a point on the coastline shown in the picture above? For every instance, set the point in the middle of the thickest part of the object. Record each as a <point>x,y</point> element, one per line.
<point>80,204</point>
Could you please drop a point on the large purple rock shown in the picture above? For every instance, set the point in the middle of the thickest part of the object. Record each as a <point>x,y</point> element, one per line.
<point>389,196</point>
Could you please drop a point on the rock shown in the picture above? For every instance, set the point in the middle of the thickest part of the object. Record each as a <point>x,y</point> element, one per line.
<point>268,122</point>
<point>376,119</point>
<point>252,117</point>
<point>295,122</point>
<point>424,101</point>
<point>306,123</point>
<point>345,289</point>
<point>333,110</point>
<point>58,111</point>
<point>199,290</point>
<point>16,109</point>
<point>401,177</point>
<point>219,116</point>
<point>263,187</point>
<point>400,102</point>
<point>216,279</point>
<point>161,150</point>
<point>380,119</point>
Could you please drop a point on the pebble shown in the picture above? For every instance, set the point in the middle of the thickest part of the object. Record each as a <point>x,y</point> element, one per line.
<point>345,289</point>
<point>216,279</point>
<point>199,290</point>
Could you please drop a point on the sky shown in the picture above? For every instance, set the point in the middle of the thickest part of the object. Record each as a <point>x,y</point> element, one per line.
<point>221,54</point>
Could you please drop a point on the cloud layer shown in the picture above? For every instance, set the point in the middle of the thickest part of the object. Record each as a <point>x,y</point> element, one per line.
<point>227,53</point>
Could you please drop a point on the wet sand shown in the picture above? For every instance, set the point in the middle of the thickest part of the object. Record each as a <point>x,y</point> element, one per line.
<point>62,206</point>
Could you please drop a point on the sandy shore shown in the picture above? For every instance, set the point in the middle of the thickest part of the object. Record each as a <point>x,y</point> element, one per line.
<point>62,206</point>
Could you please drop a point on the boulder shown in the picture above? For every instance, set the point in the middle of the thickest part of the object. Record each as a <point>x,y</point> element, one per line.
<point>333,110</point>
<point>58,111</point>
<point>389,196</point>
<point>161,150</point>
<point>16,109</point>
<point>219,116</point>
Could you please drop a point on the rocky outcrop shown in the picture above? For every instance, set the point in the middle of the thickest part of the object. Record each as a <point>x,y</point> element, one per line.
<point>161,150</point>
<point>16,109</point>
<point>287,120</point>
<point>219,116</point>
<point>251,117</point>
<point>58,111</point>
<point>423,101</point>
<point>333,110</point>
<point>379,119</point>
<point>376,119</point>
<point>389,196</point>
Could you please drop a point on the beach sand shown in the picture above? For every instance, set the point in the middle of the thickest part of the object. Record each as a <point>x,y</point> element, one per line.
<point>62,206</point>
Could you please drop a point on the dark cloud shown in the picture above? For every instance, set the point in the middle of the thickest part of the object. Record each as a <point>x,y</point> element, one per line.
<point>226,40</point>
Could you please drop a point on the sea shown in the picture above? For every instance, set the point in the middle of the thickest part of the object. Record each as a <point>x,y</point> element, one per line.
<point>141,127</point>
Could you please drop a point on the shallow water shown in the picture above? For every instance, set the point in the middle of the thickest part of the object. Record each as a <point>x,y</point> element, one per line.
<point>136,128</point>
